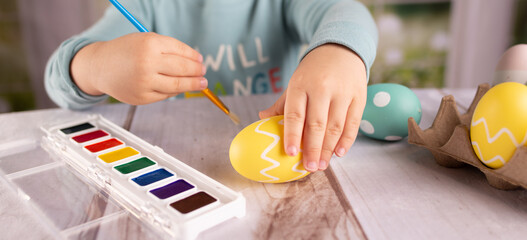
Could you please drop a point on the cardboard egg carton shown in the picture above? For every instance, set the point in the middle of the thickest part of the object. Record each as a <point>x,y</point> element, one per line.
<point>449,141</point>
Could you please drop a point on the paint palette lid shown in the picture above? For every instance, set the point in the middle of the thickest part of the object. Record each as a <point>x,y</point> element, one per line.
<point>56,202</point>
<point>89,178</point>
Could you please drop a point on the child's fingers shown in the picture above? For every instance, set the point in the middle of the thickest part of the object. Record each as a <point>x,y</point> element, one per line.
<point>176,47</point>
<point>351,128</point>
<point>334,130</point>
<point>176,66</point>
<point>294,117</point>
<point>314,131</point>
<point>174,85</point>
<point>143,98</point>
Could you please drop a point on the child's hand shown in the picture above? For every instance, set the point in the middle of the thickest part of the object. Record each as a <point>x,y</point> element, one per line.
<point>138,68</point>
<point>323,105</point>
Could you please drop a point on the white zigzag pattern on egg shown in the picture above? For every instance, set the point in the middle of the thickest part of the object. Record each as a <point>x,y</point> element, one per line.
<point>295,167</point>
<point>500,132</point>
<point>494,138</point>
<point>497,157</point>
<point>274,162</point>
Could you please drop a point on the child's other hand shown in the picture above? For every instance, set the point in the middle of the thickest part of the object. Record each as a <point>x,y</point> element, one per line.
<point>323,105</point>
<point>138,68</point>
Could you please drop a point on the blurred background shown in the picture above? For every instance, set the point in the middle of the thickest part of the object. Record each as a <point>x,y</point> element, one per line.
<point>423,43</point>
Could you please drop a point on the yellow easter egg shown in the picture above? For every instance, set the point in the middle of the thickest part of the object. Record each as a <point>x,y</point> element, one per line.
<point>258,153</point>
<point>499,123</point>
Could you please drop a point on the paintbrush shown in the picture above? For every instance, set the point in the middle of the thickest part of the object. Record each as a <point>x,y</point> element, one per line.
<point>210,95</point>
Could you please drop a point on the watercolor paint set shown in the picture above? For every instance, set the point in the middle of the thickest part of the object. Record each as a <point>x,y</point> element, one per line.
<point>160,191</point>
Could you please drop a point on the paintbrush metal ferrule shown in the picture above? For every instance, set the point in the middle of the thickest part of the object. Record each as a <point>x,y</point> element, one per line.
<point>214,99</point>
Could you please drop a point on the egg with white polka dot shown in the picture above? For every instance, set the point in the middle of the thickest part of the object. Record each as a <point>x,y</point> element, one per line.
<point>387,110</point>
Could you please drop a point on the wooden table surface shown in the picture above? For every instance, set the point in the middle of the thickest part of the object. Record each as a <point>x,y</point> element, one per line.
<point>379,190</point>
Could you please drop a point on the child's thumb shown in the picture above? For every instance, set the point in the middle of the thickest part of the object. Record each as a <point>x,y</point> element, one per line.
<point>266,113</point>
<point>276,109</point>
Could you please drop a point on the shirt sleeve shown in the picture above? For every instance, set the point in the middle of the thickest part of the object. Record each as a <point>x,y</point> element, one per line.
<point>58,82</point>
<point>345,22</point>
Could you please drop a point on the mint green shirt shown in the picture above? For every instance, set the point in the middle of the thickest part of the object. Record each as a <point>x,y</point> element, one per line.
<point>249,46</point>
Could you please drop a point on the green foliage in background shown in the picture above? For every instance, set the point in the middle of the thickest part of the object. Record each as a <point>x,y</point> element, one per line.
<point>520,23</point>
<point>413,44</point>
<point>15,85</point>
<point>21,101</point>
<point>427,10</point>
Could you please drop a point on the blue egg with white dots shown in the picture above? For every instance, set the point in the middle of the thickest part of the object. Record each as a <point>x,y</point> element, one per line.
<point>387,110</point>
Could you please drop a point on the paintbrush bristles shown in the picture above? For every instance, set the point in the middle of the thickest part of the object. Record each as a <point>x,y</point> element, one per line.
<point>234,118</point>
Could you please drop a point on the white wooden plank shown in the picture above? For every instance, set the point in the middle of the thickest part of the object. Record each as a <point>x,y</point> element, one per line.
<point>199,134</point>
<point>397,191</point>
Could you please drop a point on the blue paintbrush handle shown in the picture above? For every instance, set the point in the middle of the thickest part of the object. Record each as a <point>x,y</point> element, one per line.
<point>129,16</point>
